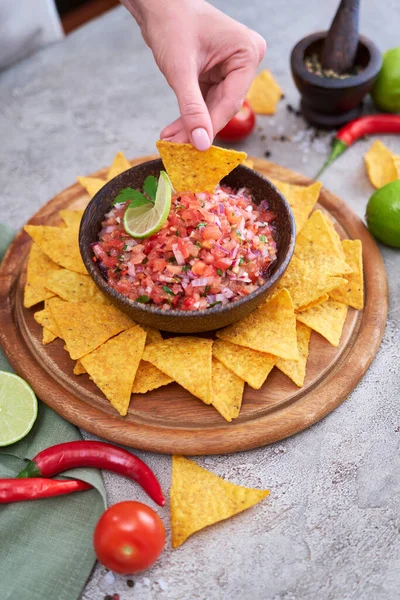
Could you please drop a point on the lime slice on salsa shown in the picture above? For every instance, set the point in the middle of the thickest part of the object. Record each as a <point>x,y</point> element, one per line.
<point>18,408</point>
<point>145,220</point>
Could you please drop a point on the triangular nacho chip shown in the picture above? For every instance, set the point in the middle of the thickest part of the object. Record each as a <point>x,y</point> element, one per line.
<point>317,245</point>
<point>296,369</point>
<point>187,360</point>
<point>271,328</point>
<point>113,366</point>
<point>200,498</point>
<point>381,164</point>
<point>72,218</point>
<point>264,94</point>
<point>91,184</point>
<point>119,165</point>
<point>251,366</point>
<point>48,336</point>
<point>79,369</point>
<point>302,199</point>
<point>326,319</point>
<point>45,319</point>
<point>319,300</point>
<point>352,293</point>
<point>193,171</point>
<point>227,391</point>
<point>335,236</point>
<point>148,377</point>
<point>39,265</point>
<point>84,328</point>
<point>306,285</point>
<point>75,287</point>
<point>60,244</point>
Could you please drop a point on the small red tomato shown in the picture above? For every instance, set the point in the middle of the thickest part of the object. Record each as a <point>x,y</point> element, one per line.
<point>240,126</point>
<point>129,537</point>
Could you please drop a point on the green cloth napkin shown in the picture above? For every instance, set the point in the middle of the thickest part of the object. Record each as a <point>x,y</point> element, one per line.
<point>46,550</point>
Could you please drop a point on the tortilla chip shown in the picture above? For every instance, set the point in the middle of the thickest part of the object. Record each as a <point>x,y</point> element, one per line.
<point>302,199</point>
<point>352,293</point>
<point>199,498</point>
<point>60,244</point>
<point>91,184</point>
<point>75,287</point>
<point>271,328</point>
<point>249,163</point>
<point>251,366</point>
<point>45,319</point>
<point>319,300</point>
<point>72,218</point>
<point>148,377</point>
<point>79,369</point>
<point>264,94</point>
<point>296,369</point>
<point>113,366</point>
<point>84,327</point>
<point>306,285</point>
<point>334,234</point>
<point>227,391</point>
<point>187,360</point>
<point>317,245</point>
<point>48,336</point>
<point>382,168</point>
<point>326,319</point>
<point>119,165</point>
<point>39,265</point>
<point>195,171</point>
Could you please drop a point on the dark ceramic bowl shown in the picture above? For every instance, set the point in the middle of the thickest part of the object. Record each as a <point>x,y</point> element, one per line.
<point>330,103</point>
<point>188,321</point>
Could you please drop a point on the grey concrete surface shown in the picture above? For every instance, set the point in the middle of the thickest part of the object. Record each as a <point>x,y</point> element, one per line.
<point>330,528</point>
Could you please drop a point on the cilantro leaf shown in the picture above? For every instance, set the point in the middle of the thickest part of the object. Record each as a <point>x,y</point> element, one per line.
<point>150,187</point>
<point>136,197</point>
<point>167,290</point>
<point>143,299</point>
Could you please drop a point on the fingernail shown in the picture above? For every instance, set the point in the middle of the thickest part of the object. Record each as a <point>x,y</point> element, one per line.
<point>167,139</point>
<point>200,139</point>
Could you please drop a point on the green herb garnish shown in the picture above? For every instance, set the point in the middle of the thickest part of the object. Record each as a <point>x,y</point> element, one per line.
<point>220,272</point>
<point>201,224</point>
<point>186,268</point>
<point>137,198</point>
<point>241,260</point>
<point>143,299</point>
<point>167,290</point>
<point>145,261</point>
<point>263,238</point>
<point>150,187</point>
<point>178,232</point>
<point>198,244</point>
<point>214,304</point>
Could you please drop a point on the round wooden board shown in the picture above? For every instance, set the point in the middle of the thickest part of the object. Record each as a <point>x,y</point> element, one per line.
<point>170,420</point>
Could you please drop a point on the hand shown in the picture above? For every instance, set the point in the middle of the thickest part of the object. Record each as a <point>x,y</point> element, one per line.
<point>208,59</point>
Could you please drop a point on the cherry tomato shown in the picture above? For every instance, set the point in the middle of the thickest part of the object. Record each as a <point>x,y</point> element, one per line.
<point>240,126</point>
<point>129,537</point>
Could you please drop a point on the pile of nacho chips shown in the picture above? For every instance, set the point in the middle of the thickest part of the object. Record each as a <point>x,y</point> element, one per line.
<point>324,278</point>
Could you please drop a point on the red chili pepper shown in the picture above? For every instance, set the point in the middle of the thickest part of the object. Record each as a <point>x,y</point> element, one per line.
<point>15,490</point>
<point>99,455</point>
<point>357,129</point>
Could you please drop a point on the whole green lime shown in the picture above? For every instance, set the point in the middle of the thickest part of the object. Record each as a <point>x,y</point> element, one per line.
<point>386,90</point>
<point>383,214</point>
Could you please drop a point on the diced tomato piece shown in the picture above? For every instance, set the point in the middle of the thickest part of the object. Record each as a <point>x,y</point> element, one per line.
<point>212,232</point>
<point>223,263</point>
<point>198,267</point>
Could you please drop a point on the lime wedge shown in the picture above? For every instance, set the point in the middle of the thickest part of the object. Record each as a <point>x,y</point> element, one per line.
<point>18,408</point>
<point>143,221</point>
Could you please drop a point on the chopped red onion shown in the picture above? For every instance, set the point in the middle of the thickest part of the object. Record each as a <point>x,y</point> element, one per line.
<point>200,282</point>
<point>180,259</point>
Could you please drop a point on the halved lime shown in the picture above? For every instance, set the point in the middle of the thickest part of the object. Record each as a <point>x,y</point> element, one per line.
<point>18,408</point>
<point>143,221</point>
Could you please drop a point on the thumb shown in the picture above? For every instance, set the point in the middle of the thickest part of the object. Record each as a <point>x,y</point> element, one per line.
<point>194,112</point>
